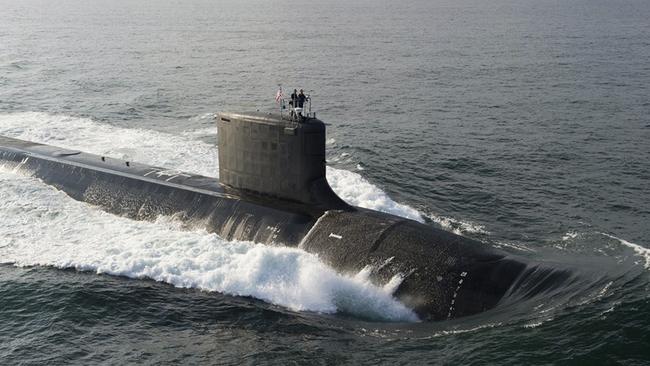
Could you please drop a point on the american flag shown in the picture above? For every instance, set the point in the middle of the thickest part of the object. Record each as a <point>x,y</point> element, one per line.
<point>278,96</point>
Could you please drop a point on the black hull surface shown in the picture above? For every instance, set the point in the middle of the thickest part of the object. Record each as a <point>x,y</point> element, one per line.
<point>444,275</point>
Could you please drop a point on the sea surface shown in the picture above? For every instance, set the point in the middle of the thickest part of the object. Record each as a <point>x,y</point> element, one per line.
<point>522,124</point>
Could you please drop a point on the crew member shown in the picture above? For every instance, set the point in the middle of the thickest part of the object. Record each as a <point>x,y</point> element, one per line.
<point>294,101</point>
<point>301,99</point>
<point>294,97</point>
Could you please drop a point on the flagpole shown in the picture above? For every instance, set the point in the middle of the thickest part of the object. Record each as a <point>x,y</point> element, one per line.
<point>280,94</point>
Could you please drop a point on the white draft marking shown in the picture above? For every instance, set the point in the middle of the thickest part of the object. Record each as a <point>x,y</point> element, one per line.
<point>453,298</point>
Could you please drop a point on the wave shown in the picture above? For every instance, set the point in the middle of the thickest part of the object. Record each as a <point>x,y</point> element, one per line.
<point>456,226</point>
<point>638,249</point>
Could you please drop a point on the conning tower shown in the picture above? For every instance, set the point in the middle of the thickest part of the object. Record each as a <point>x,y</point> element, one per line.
<point>274,155</point>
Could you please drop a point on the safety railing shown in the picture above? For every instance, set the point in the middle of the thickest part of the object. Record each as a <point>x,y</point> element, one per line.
<point>291,108</point>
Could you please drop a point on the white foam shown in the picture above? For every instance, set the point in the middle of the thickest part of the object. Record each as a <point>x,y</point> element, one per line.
<point>512,245</point>
<point>144,146</point>
<point>42,226</point>
<point>604,290</point>
<point>202,132</point>
<point>567,239</point>
<point>569,235</point>
<point>357,191</point>
<point>210,116</point>
<point>458,227</point>
<point>533,325</point>
<point>467,330</point>
<point>640,250</point>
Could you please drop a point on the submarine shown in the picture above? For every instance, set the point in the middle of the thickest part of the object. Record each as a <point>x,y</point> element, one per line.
<point>272,189</point>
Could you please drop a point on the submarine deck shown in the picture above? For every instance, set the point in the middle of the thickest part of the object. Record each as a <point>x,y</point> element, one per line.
<point>162,176</point>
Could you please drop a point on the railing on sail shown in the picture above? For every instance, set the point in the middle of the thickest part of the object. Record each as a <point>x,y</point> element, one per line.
<point>296,113</point>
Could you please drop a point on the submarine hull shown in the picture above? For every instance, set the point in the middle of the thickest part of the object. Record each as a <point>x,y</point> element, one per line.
<point>443,275</point>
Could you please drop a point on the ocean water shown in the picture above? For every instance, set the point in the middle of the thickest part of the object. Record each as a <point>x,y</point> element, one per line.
<point>522,124</point>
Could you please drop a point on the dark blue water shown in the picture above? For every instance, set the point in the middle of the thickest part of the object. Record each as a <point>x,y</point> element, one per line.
<point>524,124</point>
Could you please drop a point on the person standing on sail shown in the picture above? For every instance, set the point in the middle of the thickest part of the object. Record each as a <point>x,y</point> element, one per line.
<point>301,99</point>
<point>294,101</point>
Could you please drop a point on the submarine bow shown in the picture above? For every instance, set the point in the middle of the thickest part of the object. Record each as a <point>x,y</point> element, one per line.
<point>272,189</point>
